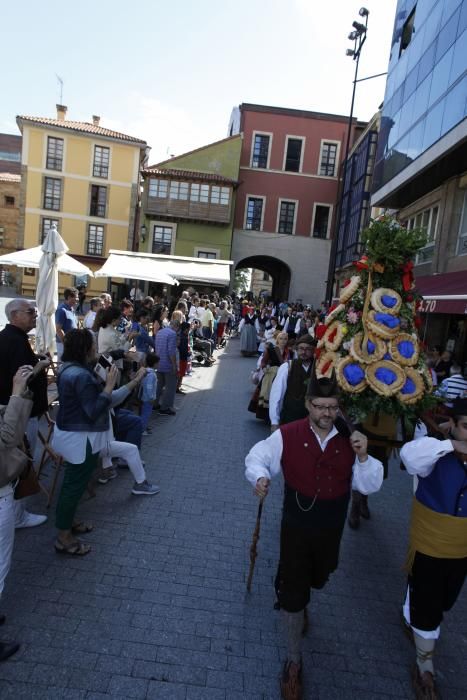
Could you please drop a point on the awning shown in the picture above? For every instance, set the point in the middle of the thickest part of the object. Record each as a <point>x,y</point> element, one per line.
<point>445,293</point>
<point>167,269</point>
<point>30,257</point>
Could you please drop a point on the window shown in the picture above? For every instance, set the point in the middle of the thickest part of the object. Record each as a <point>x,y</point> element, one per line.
<point>194,193</point>
<point>98,200</point>
<point>9,201</point>
<point>462,245</point>
<point>428,221</point>
<point>204,194</point>
<point>14,157</point>
<point>259,157</point>
<point>286,217</point>
<point>101,161</point>
<point>206,254</point>
<point>158,188</point>
<point>95,239</point>
<point>52,193</point>
<point>293,155</point>
<point>46,225</point>
<point>220,195</point>
<point>321,221</point>
<point>162,240</point>
<point>265,277</point>
<point>407,32</point>
<point>54,153</point>
<point>178,190</point>
<point>327,165</point>
<point>254,214</point>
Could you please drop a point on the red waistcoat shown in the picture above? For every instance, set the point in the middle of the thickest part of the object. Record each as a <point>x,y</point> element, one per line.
<point>309,470</point>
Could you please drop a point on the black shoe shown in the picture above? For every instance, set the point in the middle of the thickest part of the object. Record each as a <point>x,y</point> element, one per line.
<point>7,650</point>
<point>364,510</point>
<point>2,619</point>
<point>167,412</point>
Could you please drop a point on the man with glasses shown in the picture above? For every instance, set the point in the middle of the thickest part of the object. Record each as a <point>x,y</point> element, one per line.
<point>287,398</point>
<point>16,351</point>
<point>320,465</point>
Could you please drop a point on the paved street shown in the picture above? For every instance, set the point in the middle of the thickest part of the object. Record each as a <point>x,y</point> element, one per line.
<point>159,610</point>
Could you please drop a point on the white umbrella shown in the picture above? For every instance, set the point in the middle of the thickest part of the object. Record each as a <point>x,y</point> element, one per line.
<point>31,257</point>
<point>47,289</point>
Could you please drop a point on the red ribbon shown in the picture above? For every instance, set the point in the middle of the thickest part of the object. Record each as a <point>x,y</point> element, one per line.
<point>407,276</point>
<point>320,331</point>
<point>362,264</point>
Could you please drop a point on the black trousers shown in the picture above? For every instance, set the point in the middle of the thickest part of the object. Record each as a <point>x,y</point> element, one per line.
<point>307,559</point>
<point>434,586</point>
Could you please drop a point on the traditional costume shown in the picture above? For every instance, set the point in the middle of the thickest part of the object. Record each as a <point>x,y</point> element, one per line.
<point>248,335</point>
<point>287,396</point>
<point>437,554</point>
<point>319,474</point>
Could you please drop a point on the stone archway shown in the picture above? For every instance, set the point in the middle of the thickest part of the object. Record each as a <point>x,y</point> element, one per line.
<point>278,270</point>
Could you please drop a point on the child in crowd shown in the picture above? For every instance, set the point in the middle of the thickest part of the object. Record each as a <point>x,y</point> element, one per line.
<point>148,390</point>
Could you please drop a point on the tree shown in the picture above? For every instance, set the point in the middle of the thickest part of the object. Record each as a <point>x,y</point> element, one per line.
<point>241,281</point>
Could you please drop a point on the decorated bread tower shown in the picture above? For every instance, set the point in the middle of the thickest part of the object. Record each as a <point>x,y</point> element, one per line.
<point>370,338</point>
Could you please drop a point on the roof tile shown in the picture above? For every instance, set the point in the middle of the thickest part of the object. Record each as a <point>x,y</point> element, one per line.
<point>189,174</point>
<point>85,127</point>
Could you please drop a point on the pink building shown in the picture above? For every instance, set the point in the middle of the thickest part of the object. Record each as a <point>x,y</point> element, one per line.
<point>286,200</point>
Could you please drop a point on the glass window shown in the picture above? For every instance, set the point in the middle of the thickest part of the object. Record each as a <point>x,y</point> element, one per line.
<point>225,196</point>
<point>54,153</point>
<point>9,201</point>
<point>462,19</point>
<point>162,239</point>
<point>410,82</point>
<point>215,194</point>
<point>286,217</point>
<point>449,7</point>
<point>416,140</point>
<point>194,192</point>
<point>95,239</point>
<point>441,72</point>
<point>407,32</point>
<point>421,99</point>
<point>98,200</point>
<point>321,222</point>
<point>46,225</point>
<point>158,188</point>
<point>204,194</point>
<point>427,62</point>
<point>173,192</point>
<point>327,165</point>
<point>254,213</point>
<point>458,59</point>
<point>433,126</point>
<point>183,191</point>
<point>260,151</point>
<point>52,193</point>
<point>447,35</point>
<point>207,255</point>
<point>14,157</point>
<point>101,161</point>
<point>455,103</point>
<point>293,155</point>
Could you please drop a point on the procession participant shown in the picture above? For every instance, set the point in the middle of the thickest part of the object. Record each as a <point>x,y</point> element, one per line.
<point>320,465</point>
<point>248,333</point>
<point>287,397</point>
<point>437,555</point>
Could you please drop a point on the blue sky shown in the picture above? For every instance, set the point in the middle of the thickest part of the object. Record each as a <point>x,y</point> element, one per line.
<point>170,72</point>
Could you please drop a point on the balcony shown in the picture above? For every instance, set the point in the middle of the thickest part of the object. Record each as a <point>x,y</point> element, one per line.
<point>208,198</point>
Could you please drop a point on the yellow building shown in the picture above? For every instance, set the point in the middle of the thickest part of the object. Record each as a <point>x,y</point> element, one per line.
<point>85,178</point>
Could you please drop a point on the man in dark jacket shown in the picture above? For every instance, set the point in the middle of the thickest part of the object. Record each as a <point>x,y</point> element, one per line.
<point>16,351</point>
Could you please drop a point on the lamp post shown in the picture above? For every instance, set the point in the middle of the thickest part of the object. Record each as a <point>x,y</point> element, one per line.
<point>358,36</point>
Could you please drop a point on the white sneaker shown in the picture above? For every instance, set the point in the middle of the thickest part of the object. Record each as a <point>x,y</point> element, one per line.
<point>30,520</point>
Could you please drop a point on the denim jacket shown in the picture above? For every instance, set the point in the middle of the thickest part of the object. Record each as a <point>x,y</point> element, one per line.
<point>83,406</point>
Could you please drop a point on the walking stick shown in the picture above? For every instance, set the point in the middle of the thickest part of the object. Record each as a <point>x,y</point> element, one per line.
<point>253,551</point>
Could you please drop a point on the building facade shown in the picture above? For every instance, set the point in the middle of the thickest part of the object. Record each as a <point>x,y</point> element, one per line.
<point>421,161</point>
<point>9,220</point>
<point>285,209</point>
<point>189,201</point>
<point>85,178</point>
<point>10,154</point>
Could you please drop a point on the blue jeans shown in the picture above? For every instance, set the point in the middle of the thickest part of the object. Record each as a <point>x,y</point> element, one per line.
<point>128,427</point>
<point>146,411</point>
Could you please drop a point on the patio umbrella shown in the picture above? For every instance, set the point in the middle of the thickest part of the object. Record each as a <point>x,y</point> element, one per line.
<point>47,290</point>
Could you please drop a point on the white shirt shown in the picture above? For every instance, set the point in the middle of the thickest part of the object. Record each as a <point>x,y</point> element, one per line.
<point>89,319</point>
<point>420,456</point>
<point>264,460</point>
<point>278,389</point>
<point>72,445</point>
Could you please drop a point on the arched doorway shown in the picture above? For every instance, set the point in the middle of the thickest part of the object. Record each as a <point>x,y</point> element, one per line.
<point>274,268</point>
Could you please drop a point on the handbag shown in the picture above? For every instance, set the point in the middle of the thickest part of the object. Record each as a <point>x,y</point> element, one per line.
<point>28,483</point>
<point>13,463</point>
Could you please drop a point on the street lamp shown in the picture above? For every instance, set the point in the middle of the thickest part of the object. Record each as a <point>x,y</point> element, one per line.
<point>358,36</point>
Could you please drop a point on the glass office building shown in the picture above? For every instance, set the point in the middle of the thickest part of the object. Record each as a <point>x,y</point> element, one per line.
<point>424,114</point>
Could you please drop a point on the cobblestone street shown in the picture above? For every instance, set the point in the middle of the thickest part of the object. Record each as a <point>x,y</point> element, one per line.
<point>158,609</point>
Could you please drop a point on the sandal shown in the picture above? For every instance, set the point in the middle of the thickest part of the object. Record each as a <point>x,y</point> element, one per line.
<point>82,528</point>
<point>75,548</point>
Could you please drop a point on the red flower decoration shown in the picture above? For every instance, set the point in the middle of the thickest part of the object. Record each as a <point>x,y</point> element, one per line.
<point>320,331</point>
<point>407,276</point>
<point>409,297</point>
<point>362,264</point>
<point>418,321</point>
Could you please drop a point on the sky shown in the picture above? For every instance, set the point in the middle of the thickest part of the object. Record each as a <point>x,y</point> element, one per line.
<point>171,72</point>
